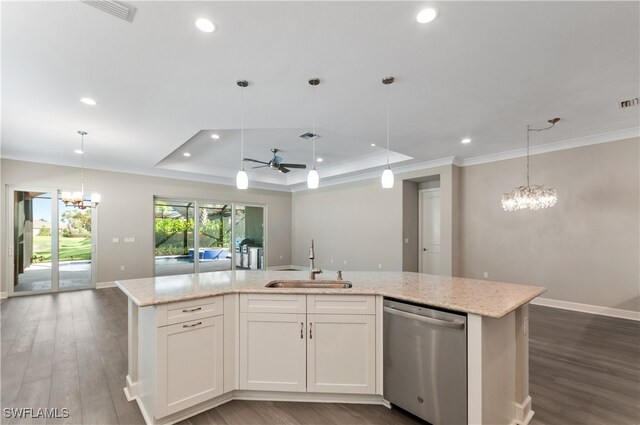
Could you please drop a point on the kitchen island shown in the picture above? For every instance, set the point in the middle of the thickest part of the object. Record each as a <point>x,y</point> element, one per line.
<point>197,341</point>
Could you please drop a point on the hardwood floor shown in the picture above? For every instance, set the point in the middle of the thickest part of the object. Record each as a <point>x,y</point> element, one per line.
<point>70,349</point>
<point>583,368</point>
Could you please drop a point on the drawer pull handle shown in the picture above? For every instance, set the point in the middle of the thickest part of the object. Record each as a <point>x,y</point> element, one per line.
<point>192,325</point>
<point>310,330</point>
<point>191,310</point>
<point>301,330</point>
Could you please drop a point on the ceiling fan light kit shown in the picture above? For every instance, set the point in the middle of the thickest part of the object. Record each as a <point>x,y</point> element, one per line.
<point>533,197</point>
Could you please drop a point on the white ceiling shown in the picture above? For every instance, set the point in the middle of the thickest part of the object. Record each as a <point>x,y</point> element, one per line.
<point>482,70</point>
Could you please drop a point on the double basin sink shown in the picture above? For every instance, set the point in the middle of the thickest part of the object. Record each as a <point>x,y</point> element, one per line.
<point>333,284</point>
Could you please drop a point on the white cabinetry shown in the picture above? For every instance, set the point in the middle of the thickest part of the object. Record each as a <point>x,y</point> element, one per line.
<point>184,355</point>
<point>314,343</point>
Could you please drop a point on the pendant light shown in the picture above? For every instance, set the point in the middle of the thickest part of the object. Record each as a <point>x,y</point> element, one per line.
<point>387,174</point>
<point>313,179</point>
<point>242,180</point>
<point>76,199</point>
<point>533,197</point>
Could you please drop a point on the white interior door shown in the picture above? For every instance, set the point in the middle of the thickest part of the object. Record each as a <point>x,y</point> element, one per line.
<point>430,232</point>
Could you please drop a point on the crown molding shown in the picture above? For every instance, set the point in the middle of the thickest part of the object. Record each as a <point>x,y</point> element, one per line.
<point>612,136</point>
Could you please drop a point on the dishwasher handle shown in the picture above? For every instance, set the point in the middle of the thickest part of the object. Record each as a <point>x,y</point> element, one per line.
<point>438,322</point>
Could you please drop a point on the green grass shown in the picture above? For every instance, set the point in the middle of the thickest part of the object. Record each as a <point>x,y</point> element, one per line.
<point>70,248</point>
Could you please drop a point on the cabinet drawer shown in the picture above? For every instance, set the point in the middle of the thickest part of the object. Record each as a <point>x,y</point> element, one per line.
<point>184,311</point>
<point>341,304</point>
<point>272,303</point>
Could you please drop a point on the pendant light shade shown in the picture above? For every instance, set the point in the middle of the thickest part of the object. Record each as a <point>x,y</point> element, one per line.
<point>76,199</point>
<point>387,178</point>
<point>313,179</point>
<point>242,180</point>
<point>387,174</point>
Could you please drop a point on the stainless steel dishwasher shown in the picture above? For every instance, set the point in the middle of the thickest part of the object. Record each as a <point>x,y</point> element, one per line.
<point>425,362</point>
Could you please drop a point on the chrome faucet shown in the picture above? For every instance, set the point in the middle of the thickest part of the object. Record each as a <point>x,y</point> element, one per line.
<point>313,270</point>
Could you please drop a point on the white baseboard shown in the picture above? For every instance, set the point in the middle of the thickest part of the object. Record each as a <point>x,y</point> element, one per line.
<point>3,295</point>
<point>523,412</point>
<point>588,308</point>
<point>102,285</point>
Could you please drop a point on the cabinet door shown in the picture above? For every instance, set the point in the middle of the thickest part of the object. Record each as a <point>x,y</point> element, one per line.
<point>272,352</point>
<point>190,364</point>
<point>341,353</point>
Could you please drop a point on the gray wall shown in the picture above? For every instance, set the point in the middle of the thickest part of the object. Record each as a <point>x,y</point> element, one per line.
<point>127,210</point>
<point>583,250</point>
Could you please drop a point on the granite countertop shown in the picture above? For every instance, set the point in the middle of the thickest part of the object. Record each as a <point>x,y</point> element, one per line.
<point>485,298</point>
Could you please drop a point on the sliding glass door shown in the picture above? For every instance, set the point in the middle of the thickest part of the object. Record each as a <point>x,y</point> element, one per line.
<point>47,254</point>
<point>194,236</point>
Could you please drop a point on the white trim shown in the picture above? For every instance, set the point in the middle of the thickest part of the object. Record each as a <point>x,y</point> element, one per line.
<point>523,412</point>
<point>103,285</point>
<point>3,295</point>
<point>131,390</point>
<point>595,139</point>
<point>588,308</point>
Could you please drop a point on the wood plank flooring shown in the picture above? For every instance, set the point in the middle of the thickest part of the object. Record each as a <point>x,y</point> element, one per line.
<point>583,368</point>
<point>70,350</point>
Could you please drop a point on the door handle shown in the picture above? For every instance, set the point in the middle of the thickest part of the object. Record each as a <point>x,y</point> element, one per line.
<point>192,325</point>
<point>191,310</point>
<point>310,330</point>
<point>301,330</point>
<point>437,322</point>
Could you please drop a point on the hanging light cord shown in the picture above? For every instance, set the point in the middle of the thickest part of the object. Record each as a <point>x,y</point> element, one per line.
<point>313,111</point>
<point>387,125</point>
<point>529,130</point>
<point>82,164</point>
<point>241,128</point>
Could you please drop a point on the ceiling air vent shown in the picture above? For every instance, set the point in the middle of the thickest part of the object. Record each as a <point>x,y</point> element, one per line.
<point>119,9</point>
<point>629,103</point>
<point>308,136</point>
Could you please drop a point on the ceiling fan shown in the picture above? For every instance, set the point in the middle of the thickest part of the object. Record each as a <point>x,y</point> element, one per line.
<point>276,163</point>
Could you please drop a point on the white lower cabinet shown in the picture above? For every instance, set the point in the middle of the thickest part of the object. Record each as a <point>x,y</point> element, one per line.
<point>341,353</point>
<point>272,352</point>
<point>190,366</point>
<point>296,351</point>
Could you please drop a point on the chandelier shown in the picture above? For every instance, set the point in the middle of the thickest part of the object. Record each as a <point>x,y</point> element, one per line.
<point>533,197</point>
<point>76,199</point>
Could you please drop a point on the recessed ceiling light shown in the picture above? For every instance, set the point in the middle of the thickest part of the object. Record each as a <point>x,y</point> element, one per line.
<point>319,159</point>
<point>215,136</point>
<point>205,25</point>
<point>373,144</point>
<point>427,15</point>
<point>88,101</point>
<point>78,151</point>
<point>187,154</point>
<point>465,141</point>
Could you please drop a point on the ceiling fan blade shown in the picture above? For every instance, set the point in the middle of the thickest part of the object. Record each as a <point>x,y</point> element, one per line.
<point>260,166</point>
<point>294,165</point>
<point>283,169</point>
<point>255,160</point>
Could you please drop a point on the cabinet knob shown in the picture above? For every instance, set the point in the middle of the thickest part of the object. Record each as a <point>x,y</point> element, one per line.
<point>301,330</point>
<point>310,330</point>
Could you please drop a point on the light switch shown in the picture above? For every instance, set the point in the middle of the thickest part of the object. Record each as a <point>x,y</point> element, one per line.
<point>121,268</point>
<point>406,240</point>
<point>129,239</point>
<point>486,275</point>
<point>115,240</point>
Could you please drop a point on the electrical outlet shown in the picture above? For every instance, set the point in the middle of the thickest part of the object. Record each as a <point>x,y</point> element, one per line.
<point>332,261</point>
<point>115,240</point>
<point>345,262</point>
<point>380,266</point>
<point>281,257</point>
<point>129,239</point>
<point>406,240</point>
<point>486,275</point>
<point>121,268</point>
